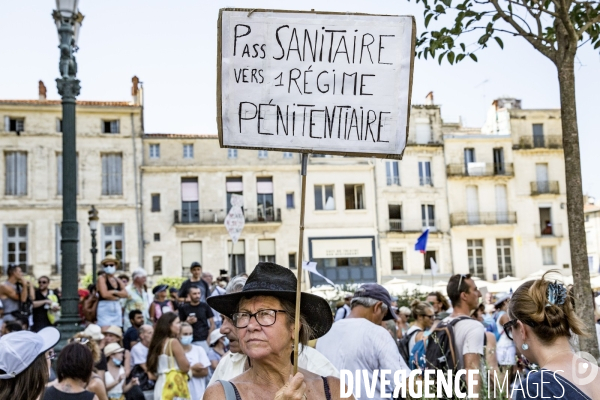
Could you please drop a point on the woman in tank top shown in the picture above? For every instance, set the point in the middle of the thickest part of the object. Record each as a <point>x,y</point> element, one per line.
<point>110,291</point>
<point>73,369</point>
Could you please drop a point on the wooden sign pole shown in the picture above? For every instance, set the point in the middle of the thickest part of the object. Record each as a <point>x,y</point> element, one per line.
<point>300,245</point>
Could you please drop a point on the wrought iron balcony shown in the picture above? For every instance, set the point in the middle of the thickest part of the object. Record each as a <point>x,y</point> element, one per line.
<point>486,218</point>
<point>217,216</point>
<point>480,169</point>
<point>540,142</point>
<point>544,187</point>
<point>548,230</point>
<point>393,180</point>
<point>413,225</point>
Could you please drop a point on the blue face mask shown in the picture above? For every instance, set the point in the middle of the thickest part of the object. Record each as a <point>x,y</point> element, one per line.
<point>117,362</point>
<point>185,340</point>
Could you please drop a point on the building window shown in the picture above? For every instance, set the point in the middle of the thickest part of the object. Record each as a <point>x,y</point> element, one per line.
<point>112,174</point>
<point>233,186</point>
<point>546,228</point>
<point>59,125</point>
<point>263,154</point>
<point>423,130</point>
<point>548,255</point>
<point>264,197</point>
<point>14,124</point>
<point>503,251</point>
<point>16,246</point>
<point>475,255</point>
<point>287,154</point>
<point>292,261</point>
<point>110,126</point>
<point>113,242</point>
<point>538,135</point>
<point>289,200</point>
<point>395,217</point>
<point>231,153</point>
<point>155,151</point>
<point>157,237</point>
<point>188,151</point>
<point>237,257</point>
<point>16,173</point>
<point>354,197</point>
<point>392,173</point>
<point>190,211</point>
<point>155,202</point>
<point>324,197</point>
<point>266,251</point>
<point>59,173</point>
<point>428,216</point>
<point>425,173</point>
<point>157,263</point>
<point>397,260</point>
<point>190,252</point>
<point>428,256</point>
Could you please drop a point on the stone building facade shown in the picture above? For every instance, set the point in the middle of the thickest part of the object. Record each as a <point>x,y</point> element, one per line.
<point>493,199</point>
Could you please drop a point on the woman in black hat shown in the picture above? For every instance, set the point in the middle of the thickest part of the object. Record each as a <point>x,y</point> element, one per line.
<point>264,313</point>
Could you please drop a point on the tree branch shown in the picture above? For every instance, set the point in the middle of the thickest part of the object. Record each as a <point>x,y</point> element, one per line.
<point>563,13</point>
<point>584,28</point>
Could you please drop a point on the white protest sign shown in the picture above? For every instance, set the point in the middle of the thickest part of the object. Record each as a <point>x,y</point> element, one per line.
<point>235,220</point>
<point>315,82</point>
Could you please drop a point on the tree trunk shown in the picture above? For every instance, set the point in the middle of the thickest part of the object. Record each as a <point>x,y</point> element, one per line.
<point>582,290</point>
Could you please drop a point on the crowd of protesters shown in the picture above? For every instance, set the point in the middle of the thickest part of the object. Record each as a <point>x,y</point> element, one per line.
<point>216,339</point>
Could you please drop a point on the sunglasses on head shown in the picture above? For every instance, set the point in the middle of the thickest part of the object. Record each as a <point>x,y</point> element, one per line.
<point>460,281</point>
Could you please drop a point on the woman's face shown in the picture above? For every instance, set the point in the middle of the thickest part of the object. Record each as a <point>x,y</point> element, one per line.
<point>427,318</point>
<point>117,356</point>
<point>258,341</point>
<point>403,317</point>
<point>161,296</point>
<point>185,331</point>
<point>175,327</point>
<point>111,338</point>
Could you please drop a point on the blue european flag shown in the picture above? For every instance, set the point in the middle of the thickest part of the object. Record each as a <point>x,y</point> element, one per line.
<point>421,244</point>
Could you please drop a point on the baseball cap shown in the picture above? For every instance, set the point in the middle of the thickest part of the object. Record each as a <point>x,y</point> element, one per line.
<point>377,292</point>
<point>94,331</point>
<point>159,288</point>
<point>18,350</point>
<point>195,264</point>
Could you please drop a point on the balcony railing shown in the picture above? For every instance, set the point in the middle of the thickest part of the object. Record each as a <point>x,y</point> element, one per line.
<point>487,218</point>
<point>480,169</point>
<point>548,230</point>
<point>393,180</point>
<point>413,225</point>
<point>217,216</point>
<point>425,181</point>
<point>544,187</point>
<point>540,142</point>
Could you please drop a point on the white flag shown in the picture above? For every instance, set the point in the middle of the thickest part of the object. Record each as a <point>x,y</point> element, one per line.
<point>312,267</point>
<point>235,220</point>
<point>434,267</point>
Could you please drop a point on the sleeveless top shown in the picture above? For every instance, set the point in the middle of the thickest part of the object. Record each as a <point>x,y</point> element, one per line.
<point>325,386</point>
<point>554,386</point>
<point>10,305</point>
<point>117,390</point>
<point>52,393</point>
<point>109,287</point>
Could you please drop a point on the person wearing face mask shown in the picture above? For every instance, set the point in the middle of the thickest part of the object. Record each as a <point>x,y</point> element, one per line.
<point>115,376</point>
<point>198,359</point>
<point>218,348</point>
<point>110,290</point>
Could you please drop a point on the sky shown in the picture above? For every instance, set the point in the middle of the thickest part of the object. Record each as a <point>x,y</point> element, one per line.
<point>171,46</point>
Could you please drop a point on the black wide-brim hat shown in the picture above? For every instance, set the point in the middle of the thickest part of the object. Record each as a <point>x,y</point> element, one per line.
<point>269,279</point>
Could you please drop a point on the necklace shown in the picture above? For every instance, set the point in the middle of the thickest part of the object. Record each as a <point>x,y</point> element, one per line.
<point>542,365</point>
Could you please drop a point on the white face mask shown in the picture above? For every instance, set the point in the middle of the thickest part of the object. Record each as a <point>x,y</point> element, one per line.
<point>110,270</point>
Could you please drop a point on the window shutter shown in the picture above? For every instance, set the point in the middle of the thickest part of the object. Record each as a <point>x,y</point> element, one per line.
<point>104,174</point>
<point>114,126</point>
<point>118,174</point>
<point>10,174</point>
<point>7,123</point>
<point>388,172</point>
<point>21,173</point>
<point>396,174</point>
<point>59,174</point>
<point>266,247</point>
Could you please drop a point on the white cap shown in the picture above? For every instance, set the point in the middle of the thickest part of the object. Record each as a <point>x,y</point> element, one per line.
<point>94,331</point>
<point>18,350</point>
<point>215,336</point>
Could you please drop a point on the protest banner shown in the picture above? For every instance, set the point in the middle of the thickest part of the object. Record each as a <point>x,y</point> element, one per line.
<point>314,82</point>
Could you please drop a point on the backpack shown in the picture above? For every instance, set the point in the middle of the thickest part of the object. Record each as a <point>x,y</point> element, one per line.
<point>90,307</point>
<point>417,355</point>
<point>403,346</point>
<point>440,353</point>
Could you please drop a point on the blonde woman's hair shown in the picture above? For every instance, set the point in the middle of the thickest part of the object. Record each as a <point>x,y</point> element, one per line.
<point>87,341</point>
<point>530,305</point>
<point>418,307</point>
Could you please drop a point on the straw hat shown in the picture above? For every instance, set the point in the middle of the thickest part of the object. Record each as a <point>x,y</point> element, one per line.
<point>112,348</point>
<point>114,330</point>
<point>94,331</point>
<point>110,259</point>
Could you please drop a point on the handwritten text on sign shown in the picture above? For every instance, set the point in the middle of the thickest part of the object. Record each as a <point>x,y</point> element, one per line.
<point>315,82</point>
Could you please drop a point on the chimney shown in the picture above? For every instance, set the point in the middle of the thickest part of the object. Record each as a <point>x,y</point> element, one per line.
<point>429,99</point>
<point>135,91</point>
<point>41,91</point>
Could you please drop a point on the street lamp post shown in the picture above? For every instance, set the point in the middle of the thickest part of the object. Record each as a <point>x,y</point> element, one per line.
<point>68,20</point>
<point>93,222</point>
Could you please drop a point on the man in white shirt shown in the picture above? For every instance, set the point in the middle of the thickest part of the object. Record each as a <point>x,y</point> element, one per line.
<point>139,352</point>
<point>468,334</point>
<point>359,342</point>
<point>343,311</point>
<point>234,362</point>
